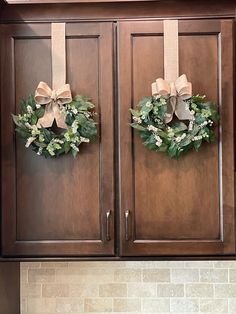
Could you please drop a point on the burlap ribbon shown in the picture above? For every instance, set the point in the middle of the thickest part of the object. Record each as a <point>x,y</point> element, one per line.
<point>176,93</point>
<point>53,100</point>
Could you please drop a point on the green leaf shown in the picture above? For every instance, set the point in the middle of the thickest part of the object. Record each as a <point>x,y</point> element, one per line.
<point>40,144</point>
<point>74,153</point>
<point>47,135</point>
<point>151,142</point>
<point>144,134</point>
<point>69,120</point>
<point>186,141</point>
<point>81,119</point>
<point>144,100</point>
<point>23,133</point>
<point>135,113</point>
<point>23,106</point>
<point>199,118</point>
<point>81,98</point>
<point>197,144</point>
<point>88,130</point>
<point>90,105</point>
<point>137,126</point>
<point>172,150</point>
<point>40,112</point>
<point>16,120</point>
<point>198,99</point>
<point>67,147</point>
<point>162,111</point>
<point>179,127</point>
<point>31,101</point>
<point>34,119</point>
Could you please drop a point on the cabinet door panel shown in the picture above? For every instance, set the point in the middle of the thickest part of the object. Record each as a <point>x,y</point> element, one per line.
<point>185,206</point>
<point>58,206</point>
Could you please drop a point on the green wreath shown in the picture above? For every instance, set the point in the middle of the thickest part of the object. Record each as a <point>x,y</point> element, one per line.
<point>177,137</point>
<point>81,127</point>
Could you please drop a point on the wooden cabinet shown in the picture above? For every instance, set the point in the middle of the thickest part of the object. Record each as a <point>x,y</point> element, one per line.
<point>185,206</point>
<point>57,207</point>
<point>158,207</point>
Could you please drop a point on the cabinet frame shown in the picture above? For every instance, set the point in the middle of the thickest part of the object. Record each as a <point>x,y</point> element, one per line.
<point>11,246</point>
<point>129,244</point>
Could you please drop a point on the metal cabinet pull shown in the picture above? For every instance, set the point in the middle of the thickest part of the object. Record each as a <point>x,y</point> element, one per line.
<point>127,225</point>
<point>108,214</point>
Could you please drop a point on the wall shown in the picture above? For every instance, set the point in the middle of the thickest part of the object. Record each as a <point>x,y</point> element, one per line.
<point>123,287</point>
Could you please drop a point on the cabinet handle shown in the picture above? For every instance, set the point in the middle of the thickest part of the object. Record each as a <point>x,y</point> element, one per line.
<point>108,214</point>
<point>127,225</point>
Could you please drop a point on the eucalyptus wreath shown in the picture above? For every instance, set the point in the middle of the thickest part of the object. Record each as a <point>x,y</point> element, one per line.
<point>81,127</point>
<point>177,137</point>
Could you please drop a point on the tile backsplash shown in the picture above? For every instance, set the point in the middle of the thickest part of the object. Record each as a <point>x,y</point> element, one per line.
<point>126,287</point>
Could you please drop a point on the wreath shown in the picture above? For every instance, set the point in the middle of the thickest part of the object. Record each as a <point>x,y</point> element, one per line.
<point>75,116</point>
<point>153,119</point>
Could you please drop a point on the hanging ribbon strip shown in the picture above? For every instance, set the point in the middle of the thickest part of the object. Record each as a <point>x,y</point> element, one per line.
<point>53,100</point>
<point>174,88</point>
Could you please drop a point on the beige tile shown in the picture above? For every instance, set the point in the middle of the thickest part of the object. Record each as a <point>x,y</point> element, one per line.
<point>225,290</point>
<point>214,275</point>
<point>98,305</point>
<point>84,290</point>
<point>24,276</point>
<point>127,275</point>
<point>113,290</point>
<point>55,290</point>
<point>84,275</point>
<point>184,305</point>
<point>225,264</point>
<point>199,264</point>
<point>23,304</point>
<point>107,264</point>
<point>30,264</point>
<point>156,275</point>
<point>41,275</point>
<point>69,305</point>
<point>232,305</point>
<point>141,290</point>
<point>184,275</point>
<point>154,264</point>
<point>199,290</point>
<point>232,275</point>
<point>31,290</point>
<point>54,264</point>
<point>170,290</point>
<point>155,305</point>
<point>45,305</point>
<point>127,305</point>
<point>213,306</point>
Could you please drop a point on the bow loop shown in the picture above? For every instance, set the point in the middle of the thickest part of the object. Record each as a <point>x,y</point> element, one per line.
<point>183,87</point>
<point>53,100</point>
<point>175,93</point>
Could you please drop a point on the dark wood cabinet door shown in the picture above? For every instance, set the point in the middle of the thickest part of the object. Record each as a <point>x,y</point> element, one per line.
<point>185,206</point>
<point>57,207</point>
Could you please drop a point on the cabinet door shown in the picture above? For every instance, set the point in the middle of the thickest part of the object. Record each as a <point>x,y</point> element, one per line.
<point>185,206</point>
<point>57,207</point>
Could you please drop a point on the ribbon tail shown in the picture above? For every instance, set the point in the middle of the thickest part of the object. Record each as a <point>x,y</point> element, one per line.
<point>170,109</point>
<point>47,120</point>
<point>59,116</point>
<point>182,110</point>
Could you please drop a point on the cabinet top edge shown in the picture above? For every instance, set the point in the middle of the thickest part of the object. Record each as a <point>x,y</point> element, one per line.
<point>86,1</point>
<point>72,1</point>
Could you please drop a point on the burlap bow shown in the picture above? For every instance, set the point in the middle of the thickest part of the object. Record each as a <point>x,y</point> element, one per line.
<point>53,100</point>
<point>175,93</point>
